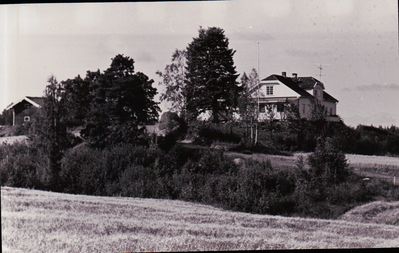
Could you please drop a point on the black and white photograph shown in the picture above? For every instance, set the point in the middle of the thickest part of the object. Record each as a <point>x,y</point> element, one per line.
<point>175,126</point>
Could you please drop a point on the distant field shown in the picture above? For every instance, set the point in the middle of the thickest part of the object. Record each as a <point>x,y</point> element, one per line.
<point>373,160</point>
<point>13,139</point>
<point>383,167</point>
<point>38,221</point>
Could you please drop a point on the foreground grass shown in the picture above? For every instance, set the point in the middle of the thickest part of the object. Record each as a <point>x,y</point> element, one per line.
<point>375,212</point>
<point>38,221</point>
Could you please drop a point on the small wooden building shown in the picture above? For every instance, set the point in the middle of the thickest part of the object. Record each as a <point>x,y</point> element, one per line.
<point>23,110</point>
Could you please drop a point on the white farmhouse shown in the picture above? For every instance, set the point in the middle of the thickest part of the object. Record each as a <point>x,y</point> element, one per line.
<point>275,92</point>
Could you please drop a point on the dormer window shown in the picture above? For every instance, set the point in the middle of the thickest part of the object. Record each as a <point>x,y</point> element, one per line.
<point>269,90</point>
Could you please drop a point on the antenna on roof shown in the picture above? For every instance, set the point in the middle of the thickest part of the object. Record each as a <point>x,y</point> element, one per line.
<point>257,94</point>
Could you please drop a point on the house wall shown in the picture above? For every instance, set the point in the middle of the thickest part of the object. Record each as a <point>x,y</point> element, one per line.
<point>331,107</point>
<point>317,92</point>
<point>19,117</point>
<point>279,90</point>
<point>21,110</point>
<point>305,107</point>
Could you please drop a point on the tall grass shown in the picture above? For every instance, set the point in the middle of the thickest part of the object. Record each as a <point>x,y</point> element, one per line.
<point>37,221</point>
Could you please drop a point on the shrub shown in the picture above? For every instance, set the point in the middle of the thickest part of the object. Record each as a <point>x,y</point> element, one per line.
<point>138,181</point>
<point>327,163</point>
<point>207,133</point>
<point>18,166</point>
<point>82,171</point>
<point>93,171</point>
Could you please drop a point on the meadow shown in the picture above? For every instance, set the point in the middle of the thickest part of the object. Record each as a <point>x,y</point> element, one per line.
<point>39,221</point>
<point>13,139</point>
<point>383,167</point>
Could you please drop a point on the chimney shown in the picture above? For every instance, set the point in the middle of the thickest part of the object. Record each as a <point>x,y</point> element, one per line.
<point>295,75</point>
<point>284,74</point>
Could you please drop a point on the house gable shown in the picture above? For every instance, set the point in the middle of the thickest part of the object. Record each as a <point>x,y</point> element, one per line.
<point>291,89</point>
<point>33,101</point>
<point>273,89</point>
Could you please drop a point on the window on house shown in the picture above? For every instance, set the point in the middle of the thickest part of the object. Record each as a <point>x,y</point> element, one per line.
<point>269,90</point>
<point>26,118</point>
<point>280,107</point>
<point>262,108</point>
<point>303,108</point>
<point>331,111</point>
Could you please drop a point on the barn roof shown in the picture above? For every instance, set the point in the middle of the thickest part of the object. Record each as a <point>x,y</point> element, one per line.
<point>37,100</point>
<point>34,101</point>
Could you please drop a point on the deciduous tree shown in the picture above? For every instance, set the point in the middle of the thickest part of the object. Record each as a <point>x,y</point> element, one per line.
<point>174,80</point>
<point>122,103</point>
<point>246,104</point>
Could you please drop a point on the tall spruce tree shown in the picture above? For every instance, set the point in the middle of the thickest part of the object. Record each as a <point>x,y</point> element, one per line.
<point>211,75</point>
<point>50,135</point>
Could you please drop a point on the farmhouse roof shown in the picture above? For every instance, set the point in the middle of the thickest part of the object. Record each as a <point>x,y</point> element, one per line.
<point>328,97</point>
<point>290,83</point>
<point>300,85</point>
<point>307,82</point>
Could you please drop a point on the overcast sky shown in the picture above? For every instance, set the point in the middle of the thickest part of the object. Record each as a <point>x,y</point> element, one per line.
<point>356,42</point>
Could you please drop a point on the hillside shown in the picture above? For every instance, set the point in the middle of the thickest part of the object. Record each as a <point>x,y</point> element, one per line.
<point>38,221</point>
<point>375,212</point>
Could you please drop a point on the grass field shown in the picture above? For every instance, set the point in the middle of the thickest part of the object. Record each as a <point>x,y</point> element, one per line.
<point>13,139</point>
<point>375,212</point>
<point>382,167</point>
<point>38,221</point>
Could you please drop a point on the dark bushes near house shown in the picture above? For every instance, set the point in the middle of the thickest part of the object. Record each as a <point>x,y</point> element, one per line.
<point>206,133</point>
<point>259,148</point>
<point>301,135</point>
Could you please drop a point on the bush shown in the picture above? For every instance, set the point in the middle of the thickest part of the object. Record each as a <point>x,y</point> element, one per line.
<point>138,181</point>
<point>93,171</point>
<point>207,133</point>
<point>259,148</point>
<point>18,166</point>
<point>205,176</point>
<point>82,171</point>
<point>327,163</point>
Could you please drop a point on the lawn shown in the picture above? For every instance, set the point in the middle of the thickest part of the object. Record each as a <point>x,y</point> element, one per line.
<point>39,221</point>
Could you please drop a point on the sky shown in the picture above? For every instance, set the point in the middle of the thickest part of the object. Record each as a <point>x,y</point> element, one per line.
<point>355,41</point>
